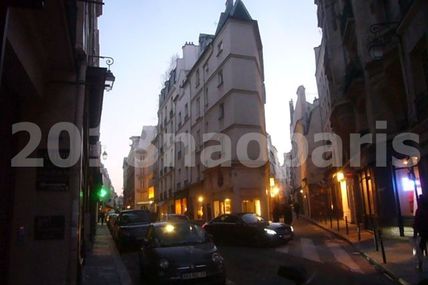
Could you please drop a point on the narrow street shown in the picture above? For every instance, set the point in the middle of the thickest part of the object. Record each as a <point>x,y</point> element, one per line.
<point>326,259</point>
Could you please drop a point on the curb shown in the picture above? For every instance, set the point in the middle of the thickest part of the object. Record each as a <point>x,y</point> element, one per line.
<point>124,277</point>
<point>378,266</point>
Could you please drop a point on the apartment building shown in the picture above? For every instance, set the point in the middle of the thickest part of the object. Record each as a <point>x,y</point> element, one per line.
<point>372,64</point>
<point>52,90</point>
<point>216,87</point>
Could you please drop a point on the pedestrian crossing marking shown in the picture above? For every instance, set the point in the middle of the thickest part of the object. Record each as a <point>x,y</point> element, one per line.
<point>306,248</point>
<point>343,257</point>
<point>309,251</point>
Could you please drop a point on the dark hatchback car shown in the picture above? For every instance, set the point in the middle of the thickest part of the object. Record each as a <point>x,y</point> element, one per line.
<point>180,253</point>
<point>248,229</point>
<point>131,227</point>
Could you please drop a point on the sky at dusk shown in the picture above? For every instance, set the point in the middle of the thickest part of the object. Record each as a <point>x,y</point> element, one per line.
<point>143,35</point>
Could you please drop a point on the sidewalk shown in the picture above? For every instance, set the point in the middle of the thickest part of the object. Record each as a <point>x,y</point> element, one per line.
<point>103,264</point>
<point>400,263</point>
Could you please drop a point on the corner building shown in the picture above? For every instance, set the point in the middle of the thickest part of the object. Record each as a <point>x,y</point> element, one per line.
<point>217,87</point>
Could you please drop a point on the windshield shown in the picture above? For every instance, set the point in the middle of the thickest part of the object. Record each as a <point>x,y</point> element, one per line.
<point>134,218</point>
<point>179,234</point>
<point>252,219</point>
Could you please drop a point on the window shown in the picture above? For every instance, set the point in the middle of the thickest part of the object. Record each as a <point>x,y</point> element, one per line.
<point>206,68</point>
<point>219,48</point>
<point>206,97</point>
<point>198,135</point>
<point>198,107</point>
<point>220,78</point>
<point>227,206</point>
<point>151,193</point>
<point>186,111</point>
<point>179,119</point>
<point>221,111</point>
<point>198,78</point>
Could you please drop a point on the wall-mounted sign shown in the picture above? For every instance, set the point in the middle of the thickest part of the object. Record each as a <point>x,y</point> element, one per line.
<point>49,227</point>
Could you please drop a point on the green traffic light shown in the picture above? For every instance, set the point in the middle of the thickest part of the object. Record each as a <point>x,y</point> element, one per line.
<point>102,193</point>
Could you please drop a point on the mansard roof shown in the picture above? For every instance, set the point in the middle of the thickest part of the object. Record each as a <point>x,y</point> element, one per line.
<point>237,11</point>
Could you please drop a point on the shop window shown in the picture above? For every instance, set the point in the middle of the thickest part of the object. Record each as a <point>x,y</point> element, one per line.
<point>408,187</point>
<point>257,206</point>
<point>178,207</point>
<point>227,206</point>
<point>151,192</point>
<point>216,208</point>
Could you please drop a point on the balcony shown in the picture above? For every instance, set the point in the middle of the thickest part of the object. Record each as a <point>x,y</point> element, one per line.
<point>421,104</point>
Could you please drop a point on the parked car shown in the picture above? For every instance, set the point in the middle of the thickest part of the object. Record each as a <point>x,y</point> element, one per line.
<point>248,229</point>
<point>180,253</point>
<point>111,219</point>
<point>131,227</point>
<point>174,218</point>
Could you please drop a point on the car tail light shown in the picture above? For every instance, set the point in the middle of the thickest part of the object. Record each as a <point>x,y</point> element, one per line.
<point>204,226</point>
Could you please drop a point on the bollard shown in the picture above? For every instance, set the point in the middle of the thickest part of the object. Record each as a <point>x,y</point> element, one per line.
<point>376,239</point>
<point>382,248</point>
<point>337,223</point>
<point>346,225</point>
<point>359,231</point>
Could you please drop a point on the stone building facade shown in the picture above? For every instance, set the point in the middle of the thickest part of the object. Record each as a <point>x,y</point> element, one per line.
<point>51,85</point>
<point>216,87</point>
<point>374,65</point>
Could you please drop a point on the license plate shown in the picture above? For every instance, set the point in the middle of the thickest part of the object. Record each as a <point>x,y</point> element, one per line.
<point>194,275</point>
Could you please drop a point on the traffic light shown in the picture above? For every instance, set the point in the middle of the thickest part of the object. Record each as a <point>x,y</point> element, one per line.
<point>102,193</point>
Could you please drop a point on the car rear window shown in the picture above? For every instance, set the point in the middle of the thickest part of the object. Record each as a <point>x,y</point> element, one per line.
<point>134,218</point>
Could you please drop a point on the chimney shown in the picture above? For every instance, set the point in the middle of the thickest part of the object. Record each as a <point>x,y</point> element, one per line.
<point>291,111</point>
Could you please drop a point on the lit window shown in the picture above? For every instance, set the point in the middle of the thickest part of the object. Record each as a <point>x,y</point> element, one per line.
<point>151,192</point>
<point>227,206</point>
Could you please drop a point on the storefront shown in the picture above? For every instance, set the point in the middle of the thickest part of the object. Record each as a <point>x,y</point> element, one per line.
<point>407,184</point>
<point>222,207</point>
<point>368,197</point>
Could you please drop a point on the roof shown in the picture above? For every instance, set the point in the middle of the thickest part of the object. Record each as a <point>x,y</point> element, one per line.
<point>237,11</point>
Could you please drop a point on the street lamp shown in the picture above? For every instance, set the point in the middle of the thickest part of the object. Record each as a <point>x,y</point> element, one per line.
<point>109,78</point>
<point>383,35</point>
<point>104,155</point>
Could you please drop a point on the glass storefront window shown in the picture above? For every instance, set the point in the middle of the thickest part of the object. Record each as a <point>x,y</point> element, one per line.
<point>368,192</point>
<point>178,207</point>
<point>408,189</point>
<point>258,207</point>
<point>216,208</point>
<point>227,206</point>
